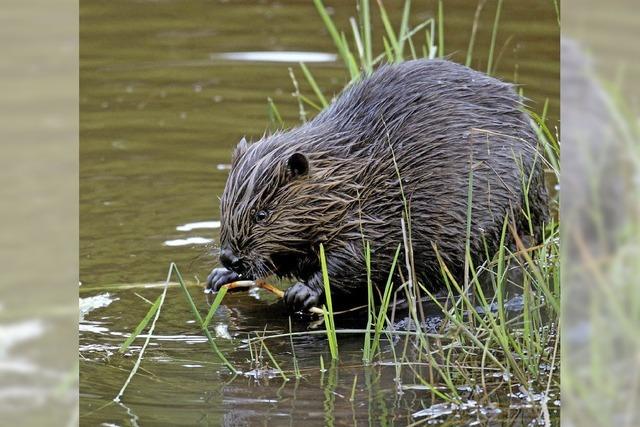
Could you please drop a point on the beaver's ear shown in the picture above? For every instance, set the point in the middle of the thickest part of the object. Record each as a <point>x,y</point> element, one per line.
<point>297,165</point>
<point>241,148</point>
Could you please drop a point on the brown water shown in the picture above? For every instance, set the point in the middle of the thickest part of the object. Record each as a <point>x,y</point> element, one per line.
<point>162,104</point>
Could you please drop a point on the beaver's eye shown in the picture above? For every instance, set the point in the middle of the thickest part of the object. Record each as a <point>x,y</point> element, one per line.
<point>261,215</point>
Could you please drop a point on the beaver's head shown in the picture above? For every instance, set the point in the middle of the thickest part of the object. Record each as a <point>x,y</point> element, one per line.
<point>264,210</point>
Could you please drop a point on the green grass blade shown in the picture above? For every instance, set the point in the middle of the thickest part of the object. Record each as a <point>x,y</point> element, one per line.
<point>494,34</point>
<point>328,313</point>
<point>274,115</point>
<point>391,35</point>
<point>296,367</point>
<point>357,40</point>
<point>366,353</point>
<point>353,65</point>
<point>343,48</point>
<point>387,50</point>
<point>365,22</point>
<point>275,363</point>
<point>385,303</point>
<point>310,103</point>
<point>200,321</point>
<point>474,30</point>
<point>353,389</point>
<point>325,278</point>
<point>549,143</point>
<point>404,27</point>
<point>302,114</point>
<point>440,29</point>
<point>314,85</point>
<point>214,306</point>
<point>143,324</point>
<point>467,246</point>
<point>147,339</point>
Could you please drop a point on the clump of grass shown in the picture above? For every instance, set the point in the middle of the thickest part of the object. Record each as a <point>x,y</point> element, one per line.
<point>154,312</point>
<point>384,305</point>
<point>360,60</point>
<point>480,337</point>
<point>201,321</point>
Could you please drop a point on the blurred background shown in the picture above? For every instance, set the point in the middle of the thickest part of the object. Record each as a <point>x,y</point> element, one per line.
<point>39,213</point>
<point>600,210</point>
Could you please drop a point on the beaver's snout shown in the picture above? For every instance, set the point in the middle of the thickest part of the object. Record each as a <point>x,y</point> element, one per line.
<point>232,262</point>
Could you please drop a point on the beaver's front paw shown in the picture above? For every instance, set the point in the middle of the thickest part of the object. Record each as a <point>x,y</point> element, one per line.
<point>220,277</point>
<point>300,297</point>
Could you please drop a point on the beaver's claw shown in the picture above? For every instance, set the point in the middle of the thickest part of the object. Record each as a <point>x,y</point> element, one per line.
<point>300,297</point>
<point>220,277</point>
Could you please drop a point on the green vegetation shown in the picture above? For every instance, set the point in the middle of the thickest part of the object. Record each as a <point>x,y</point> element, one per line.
<point>601,271</point>
<point>479,336</point>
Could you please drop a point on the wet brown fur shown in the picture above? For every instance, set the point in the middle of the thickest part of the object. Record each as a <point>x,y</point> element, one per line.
<point>429,122</point>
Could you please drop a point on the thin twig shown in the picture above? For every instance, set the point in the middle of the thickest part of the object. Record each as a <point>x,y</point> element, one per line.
<point>248,284</point>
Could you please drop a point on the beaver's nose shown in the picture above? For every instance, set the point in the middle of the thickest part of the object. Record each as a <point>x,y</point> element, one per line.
<point>230,261</point>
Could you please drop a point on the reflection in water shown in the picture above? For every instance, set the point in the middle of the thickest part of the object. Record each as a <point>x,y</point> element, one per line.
<point>329,392</point>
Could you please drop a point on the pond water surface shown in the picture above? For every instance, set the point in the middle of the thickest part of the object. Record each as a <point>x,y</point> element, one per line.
<point>167,89</point>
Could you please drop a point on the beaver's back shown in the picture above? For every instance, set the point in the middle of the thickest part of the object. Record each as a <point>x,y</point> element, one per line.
<point>431,122</point>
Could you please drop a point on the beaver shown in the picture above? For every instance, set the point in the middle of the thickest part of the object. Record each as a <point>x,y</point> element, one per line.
<point>410,140</point>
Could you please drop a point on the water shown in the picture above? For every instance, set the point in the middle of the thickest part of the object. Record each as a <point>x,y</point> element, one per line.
<point>166,91</point>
